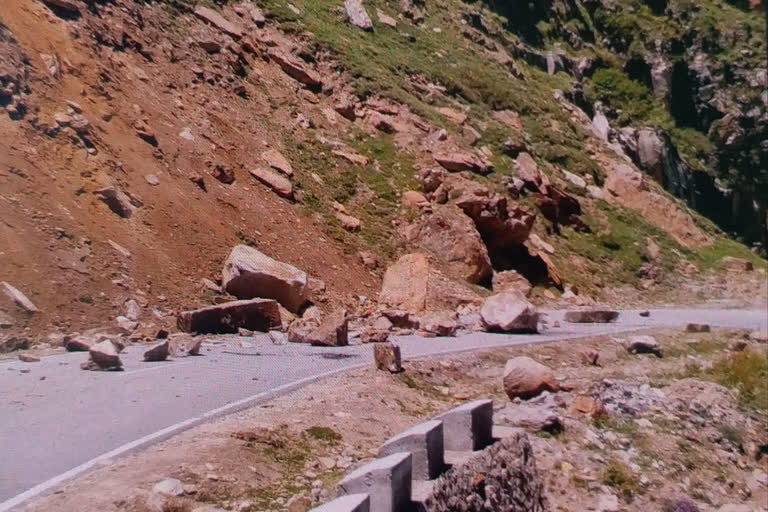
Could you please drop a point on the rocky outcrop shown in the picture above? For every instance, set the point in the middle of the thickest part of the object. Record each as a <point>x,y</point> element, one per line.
<point>509,312</point>
<point>357,15</point>
<point>18,298</point>
<point>278,184</point>
<point>452,237</point>
<point>294,68</point>
<point>415,285</point>
<point>249,273</point>
<point>500,478</point>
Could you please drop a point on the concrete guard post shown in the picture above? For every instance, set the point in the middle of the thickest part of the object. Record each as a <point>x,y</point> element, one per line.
<point>468,426</point>
<point>387,481</point>
<point>348,503</point>
<point>425,443</point>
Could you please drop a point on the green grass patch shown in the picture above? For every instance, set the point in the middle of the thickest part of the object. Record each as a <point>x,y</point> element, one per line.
<point>326,434</point>
<point>617,475</point>
<point>746,372</point>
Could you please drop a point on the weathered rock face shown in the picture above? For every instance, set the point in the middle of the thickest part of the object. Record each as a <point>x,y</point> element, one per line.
<point>278,184</point>
<point>539,414</point>
<point>452,237</point>
<point>509,280</point>
<point>503,477</point>
<point>509,312</point>
<point>498,223</point>
<point>464,161</point>
<point>387,357</point>
<point>116,200</point>
<point>295,68</point>
<point>255,315</point>
<point>526,378</point>
<point>249,273</point>
<point>414,285</point>
<point>19,298</point>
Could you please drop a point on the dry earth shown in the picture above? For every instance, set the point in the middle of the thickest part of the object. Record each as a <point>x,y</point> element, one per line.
<point>638,432</point>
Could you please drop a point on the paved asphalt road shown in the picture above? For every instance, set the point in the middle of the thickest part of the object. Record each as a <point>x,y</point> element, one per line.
<point>57,421</point>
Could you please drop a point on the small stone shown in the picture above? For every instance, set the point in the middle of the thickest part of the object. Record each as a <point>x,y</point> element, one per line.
<point>28,358</point>
<point>152,179</point>
<point>169,487</point>
<point>697,328</point>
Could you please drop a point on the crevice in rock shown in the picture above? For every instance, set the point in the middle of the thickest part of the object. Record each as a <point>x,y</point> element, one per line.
<point>681,96</point>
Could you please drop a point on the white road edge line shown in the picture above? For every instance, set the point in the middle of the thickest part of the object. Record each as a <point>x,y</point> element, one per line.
<point>177,428</point>
<point>163,434</point>
<point>172,430</point>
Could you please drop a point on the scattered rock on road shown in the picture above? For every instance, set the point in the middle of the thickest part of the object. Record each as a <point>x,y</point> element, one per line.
<point>594,316</point>
<point>158,353</point>
<point>645,314</point>
<point>19,298</point>
<point>509,312</point>
<point>387,357</point>
<point>249,273</point>
<point>697,328</point>
<point>28,358</point>
<point>526,378</point>
<point>255,314</point>
<point>78,344</point>
<point>103,357</point>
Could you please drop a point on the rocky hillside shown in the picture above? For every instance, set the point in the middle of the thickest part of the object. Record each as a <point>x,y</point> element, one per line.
<point>542,148</point>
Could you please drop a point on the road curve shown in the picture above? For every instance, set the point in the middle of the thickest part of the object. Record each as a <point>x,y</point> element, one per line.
<point>57,421</point>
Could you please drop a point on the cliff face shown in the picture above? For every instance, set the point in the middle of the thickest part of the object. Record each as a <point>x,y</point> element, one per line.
<point>694,72</point>
<point>142,140</point>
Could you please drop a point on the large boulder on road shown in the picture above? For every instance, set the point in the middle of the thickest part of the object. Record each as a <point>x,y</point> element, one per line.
<point>249,274</point>
<point>593,316</point>
<point>509,312</point>
<point>255,315</point>
<point>526,378</point>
